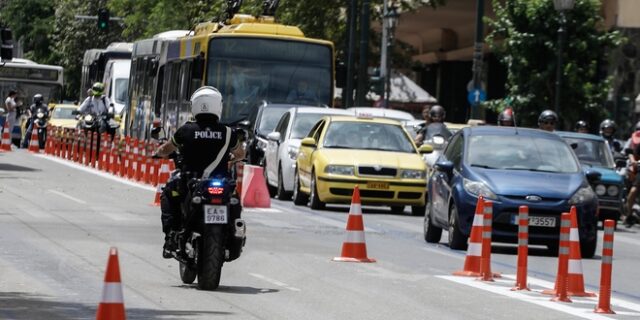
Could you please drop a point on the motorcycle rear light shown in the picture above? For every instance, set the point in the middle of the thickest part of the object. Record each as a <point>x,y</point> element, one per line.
<point>216,190</point>
<point>216,200</point>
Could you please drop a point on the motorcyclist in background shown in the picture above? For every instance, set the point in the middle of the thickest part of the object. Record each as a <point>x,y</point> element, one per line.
<point>547,120</point>
<point>506,119</point>
<point>581,127</point>
<point>608,129</point>
<point>37,106</point>
<point>202,144</point>
<point>436,116</point>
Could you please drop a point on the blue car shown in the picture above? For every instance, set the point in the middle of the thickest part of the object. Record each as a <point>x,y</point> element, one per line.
<point>594,154</point>
<point>510,167</point>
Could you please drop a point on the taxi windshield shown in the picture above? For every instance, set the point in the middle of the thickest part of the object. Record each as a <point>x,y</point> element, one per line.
<point>367,136</point>
<point>63,113</point>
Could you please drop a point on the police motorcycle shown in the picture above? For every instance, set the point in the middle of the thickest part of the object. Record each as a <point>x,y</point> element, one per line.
<point>213,231</point>
<point>437,135</point>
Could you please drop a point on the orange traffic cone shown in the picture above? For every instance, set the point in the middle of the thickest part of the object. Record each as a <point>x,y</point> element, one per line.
<point>163,176</point>
<point>575,277</point>
<point>112,304</point>
<point>240,176</point>
<point>5,143</point>
<point>604,301</point>
<point>34,145</point>
<point>255,193</point>
<point>474,250</point>
<point>354,248</point>
<point>560,292</point>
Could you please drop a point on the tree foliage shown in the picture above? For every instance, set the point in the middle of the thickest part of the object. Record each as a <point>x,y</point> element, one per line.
<point>31,22</point>
<point>524,35</point>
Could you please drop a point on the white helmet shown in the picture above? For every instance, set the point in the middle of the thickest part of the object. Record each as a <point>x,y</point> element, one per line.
<point>206,100</point>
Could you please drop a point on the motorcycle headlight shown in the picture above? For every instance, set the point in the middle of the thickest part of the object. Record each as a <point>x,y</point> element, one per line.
<point>336,169</point>
<point>613,191</point>
<point>413,174</point>
<point>40,115</point>
<point>478,188</point>
<point>88,118</point>
<point>584,194</point>
<point>438,140</point>
<point>292,152</point>
<point>601,190</point>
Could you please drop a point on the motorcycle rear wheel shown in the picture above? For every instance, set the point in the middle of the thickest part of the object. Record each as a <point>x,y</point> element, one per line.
<point>188,274</point>
<point>211,257</point>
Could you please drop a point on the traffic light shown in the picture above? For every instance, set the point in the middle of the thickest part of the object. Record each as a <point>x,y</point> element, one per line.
<point>103,19</point>
<point>376,83</point>
<point>6,44</point>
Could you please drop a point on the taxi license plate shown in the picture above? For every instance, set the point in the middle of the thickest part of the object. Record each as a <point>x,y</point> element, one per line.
<point>378,185</point>
<point>215,214</point>
<point>534,221</point>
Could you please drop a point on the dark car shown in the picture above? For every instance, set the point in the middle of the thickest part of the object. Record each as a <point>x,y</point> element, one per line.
<point>510,167</point>
<point>266,119</point>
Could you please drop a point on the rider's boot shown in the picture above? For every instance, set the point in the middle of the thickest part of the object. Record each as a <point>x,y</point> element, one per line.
<point>170,245</point>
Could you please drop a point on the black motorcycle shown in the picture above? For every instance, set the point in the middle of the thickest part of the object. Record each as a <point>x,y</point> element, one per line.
<point>212,231</point>
<point>38,121</point>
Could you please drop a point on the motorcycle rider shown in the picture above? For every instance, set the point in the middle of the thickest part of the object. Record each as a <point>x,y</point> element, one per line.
<point>436,116</point>
<point>632,147</point>
<point>547,120</point>
<point>608,129</point>
<point>581,127</point>
<point>96,103</point>
<point>506,119</point>
<point>32,111</point>
<point>202,143</point>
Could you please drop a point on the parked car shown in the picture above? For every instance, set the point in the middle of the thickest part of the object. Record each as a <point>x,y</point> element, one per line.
<point>510,167</point>
<point>267,117</point>
<point>62,116</point>
<point>283,145</point>
<point>376,154</point>
<point>594,154</point>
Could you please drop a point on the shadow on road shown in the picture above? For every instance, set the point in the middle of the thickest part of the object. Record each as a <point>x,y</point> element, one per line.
<point>513,250</point>
<point>232,289</point>
<point>12,167</point>
<point>20,305</point>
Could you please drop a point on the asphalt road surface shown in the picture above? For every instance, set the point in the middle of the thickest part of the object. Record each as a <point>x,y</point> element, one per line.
<point>57,223</point>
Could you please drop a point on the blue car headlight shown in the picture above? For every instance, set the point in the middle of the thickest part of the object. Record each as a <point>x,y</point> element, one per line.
<point>337,169</point>
<point>413,174</point>
<point>613,191</point>
<point>478,188</point>
<point>584,194</point>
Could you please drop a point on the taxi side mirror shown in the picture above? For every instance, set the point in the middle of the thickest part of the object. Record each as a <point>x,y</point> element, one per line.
<point>425,149</point>
<point>309,142</point>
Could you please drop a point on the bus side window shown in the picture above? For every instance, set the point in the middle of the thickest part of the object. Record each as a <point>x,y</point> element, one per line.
<point>185,112</point>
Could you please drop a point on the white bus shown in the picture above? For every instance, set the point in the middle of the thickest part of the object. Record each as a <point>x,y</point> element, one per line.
<point>28,78</point>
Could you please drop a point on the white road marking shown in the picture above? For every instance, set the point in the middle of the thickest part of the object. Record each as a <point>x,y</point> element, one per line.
<point>261,210</point>
<point>64,195</point>
<point>97,173</point>
<point>503,287</point>
<point>275,282</point>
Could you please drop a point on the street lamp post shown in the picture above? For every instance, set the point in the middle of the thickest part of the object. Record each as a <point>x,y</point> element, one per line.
<point>389,23</point>
<point>561,6</point>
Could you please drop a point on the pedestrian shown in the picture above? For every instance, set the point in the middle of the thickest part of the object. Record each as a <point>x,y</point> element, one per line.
<point>11,107</point>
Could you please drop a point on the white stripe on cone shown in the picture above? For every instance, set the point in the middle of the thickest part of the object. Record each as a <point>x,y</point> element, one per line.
<point>474,249</point>
<point>355,209</point>
<point>354,236</point>
<point>478,220</point>
<point>112,293</point>
<point>574,235</point>
<point>575,266</point>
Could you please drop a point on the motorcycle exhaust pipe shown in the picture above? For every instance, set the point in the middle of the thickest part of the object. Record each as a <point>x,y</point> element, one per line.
<point>241,228</point>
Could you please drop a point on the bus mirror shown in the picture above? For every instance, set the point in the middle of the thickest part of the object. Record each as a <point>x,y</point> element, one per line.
<point>154,68</point>
<point>6,44</point>
<point>198,68</point>
<point>341,74</point>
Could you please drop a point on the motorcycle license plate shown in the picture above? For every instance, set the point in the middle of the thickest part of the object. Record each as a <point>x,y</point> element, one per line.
<point>534,221</point>
<point>215,214</point>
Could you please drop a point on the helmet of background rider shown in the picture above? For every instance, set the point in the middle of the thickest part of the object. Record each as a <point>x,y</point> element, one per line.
<point>206,100</point>
<point>581,126</point>
<point>437,113</point>
<point>37,98</point>
<point>97,89</point>
<point>505,118</point>
<point>608,128</point>
<point>547,116</point>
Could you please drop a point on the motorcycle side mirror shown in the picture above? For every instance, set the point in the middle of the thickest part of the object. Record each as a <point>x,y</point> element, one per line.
<point>574,145</point>
<point>593,176</point>
<point>621,163</point>
<point>244,124</point>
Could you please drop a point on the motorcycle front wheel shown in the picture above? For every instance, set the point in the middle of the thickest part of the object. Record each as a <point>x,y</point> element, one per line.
<point>188,273</point>
<point>211,257</point>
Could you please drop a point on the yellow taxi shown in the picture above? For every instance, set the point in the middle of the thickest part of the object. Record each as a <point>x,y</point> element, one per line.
<point>376,154</point>
<point>61,116</point>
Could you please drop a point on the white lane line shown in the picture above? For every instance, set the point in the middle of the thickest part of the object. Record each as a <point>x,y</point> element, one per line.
<point>547,284</point>
<point>275,282</point>
<point>64,195</point>
<point>261,210</point>
<point>502,287</point>
<point>97,173</point>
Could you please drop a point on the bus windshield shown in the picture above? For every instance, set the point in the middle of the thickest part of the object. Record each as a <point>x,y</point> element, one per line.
<point>250,70</point>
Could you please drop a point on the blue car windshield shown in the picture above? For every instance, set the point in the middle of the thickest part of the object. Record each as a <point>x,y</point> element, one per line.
<point>592,152</point>
<point>367,136</point>
<point>521,153</point>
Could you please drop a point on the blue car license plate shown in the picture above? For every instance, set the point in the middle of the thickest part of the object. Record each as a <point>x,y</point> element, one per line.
<point>537,221</point>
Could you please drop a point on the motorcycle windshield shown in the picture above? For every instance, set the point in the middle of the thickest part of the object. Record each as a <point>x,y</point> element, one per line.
<point>437,129</point>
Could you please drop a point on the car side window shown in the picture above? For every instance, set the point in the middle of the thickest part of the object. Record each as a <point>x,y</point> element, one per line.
<point>318,132</point>
<point>454,150</point>
<point>281,127</point>
<point>313,130</point>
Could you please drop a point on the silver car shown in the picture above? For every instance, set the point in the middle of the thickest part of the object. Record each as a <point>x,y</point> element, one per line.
<point>283,143</point>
